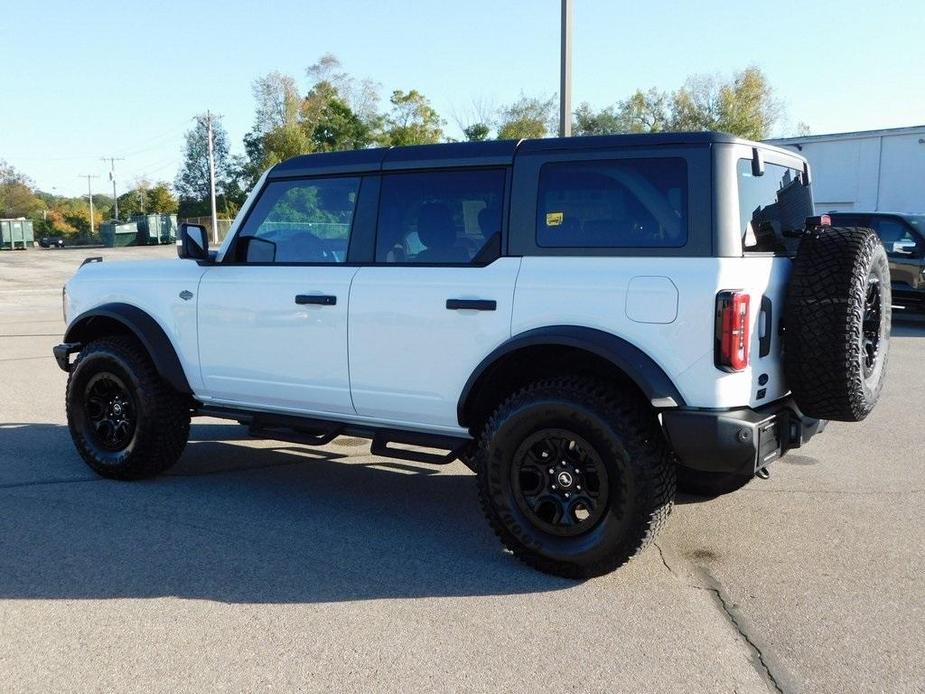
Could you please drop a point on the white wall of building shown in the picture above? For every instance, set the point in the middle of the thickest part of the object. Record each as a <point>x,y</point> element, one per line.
<point>876,170</point>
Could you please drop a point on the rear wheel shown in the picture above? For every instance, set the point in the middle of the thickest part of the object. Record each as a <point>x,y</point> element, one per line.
<point>126,422</point>
<point>574,477</point>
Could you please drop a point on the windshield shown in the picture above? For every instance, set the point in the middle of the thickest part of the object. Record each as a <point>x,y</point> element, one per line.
<point>772,208</point>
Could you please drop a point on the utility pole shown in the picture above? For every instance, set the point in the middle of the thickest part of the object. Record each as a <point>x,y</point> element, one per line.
<point>112,177</point>
<point>89,195</point>
<point>212,180</point>
<point>565,72</point>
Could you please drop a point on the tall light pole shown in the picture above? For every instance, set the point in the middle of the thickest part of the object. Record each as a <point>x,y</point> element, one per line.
<point>112,177</point>
<point>89,178</point>
<point>212,180</point>
<point>565,72</point>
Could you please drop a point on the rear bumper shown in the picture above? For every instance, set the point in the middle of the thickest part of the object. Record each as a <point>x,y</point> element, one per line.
<point>740,441</point>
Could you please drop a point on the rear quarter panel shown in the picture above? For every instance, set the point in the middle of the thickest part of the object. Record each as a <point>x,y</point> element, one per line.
<point>604,293</point>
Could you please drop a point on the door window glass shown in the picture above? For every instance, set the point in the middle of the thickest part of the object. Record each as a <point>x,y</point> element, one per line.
<point>440,217</point>
<point>300,221</point>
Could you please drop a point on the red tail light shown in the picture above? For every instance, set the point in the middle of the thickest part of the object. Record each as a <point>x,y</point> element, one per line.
<point>732,319</point>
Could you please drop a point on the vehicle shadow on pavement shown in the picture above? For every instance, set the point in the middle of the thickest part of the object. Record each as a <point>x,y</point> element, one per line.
<point>242,524</point>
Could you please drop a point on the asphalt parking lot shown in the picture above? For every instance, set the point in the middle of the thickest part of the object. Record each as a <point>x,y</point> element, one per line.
<point>275,566</point>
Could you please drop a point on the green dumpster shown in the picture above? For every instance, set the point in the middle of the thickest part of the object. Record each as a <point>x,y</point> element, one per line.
<point>12,236</point>
<point>156,229</point>
<point>118,234</point>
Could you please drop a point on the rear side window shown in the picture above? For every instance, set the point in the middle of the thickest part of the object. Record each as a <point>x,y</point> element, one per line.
<point>624,203</point>
<point>440,217</point>
<point>773,207</point>
<point>300,221</point>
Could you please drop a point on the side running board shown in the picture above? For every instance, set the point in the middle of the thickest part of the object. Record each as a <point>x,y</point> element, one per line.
<point>453,445</point>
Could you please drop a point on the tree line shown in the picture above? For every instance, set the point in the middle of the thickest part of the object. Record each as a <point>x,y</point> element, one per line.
<point>337,111</point>
<point>60,215</point>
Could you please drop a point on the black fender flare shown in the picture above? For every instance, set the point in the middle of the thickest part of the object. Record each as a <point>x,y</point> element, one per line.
<point>636,364</point>
<point>142,326</point>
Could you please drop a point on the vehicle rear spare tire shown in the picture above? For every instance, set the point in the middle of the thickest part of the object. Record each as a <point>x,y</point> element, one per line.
<point>838,323</point>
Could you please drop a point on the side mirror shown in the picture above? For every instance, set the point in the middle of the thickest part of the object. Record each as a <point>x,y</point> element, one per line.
<point>193,242</point>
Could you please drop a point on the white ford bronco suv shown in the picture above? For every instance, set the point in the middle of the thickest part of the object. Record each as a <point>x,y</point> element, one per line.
<point>585,322</point>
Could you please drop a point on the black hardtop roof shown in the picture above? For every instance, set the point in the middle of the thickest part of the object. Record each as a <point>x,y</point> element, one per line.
<point>490,153</point>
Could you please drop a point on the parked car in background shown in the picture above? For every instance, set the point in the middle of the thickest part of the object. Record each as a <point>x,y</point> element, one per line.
<point>903,235</point>
<point>51,242</point>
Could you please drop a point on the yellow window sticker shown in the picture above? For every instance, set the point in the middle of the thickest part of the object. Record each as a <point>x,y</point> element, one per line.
<point>554,219</point>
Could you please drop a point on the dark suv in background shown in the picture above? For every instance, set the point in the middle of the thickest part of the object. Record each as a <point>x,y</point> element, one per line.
<point>903,235</point>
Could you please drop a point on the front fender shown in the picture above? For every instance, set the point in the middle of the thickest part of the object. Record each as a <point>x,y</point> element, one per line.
<point>98,322</point>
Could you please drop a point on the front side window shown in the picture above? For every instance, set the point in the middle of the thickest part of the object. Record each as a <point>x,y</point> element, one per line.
<point>625,203</point>
<point>440,217</point>
<point>773,207</point>
<point>300,221</point>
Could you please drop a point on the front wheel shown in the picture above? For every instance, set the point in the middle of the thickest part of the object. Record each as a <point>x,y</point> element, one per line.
<point>574,477</point>
<point>126,422</point>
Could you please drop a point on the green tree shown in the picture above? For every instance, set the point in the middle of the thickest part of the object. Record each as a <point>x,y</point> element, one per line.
<point>528,117</point>
<point>590,122</point>
<point>477,132</point>
<point>743,105</point>
<point>411,121</point>
<point>17,198</point>
<point>192,182</point>
<point>145,198</point>
<point>329,123</point>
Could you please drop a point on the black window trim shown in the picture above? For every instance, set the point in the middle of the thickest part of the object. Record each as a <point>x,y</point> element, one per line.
<point>368,187</point>
<point>500,249</point>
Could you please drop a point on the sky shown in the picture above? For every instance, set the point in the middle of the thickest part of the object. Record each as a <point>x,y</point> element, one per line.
<point>85,80</point>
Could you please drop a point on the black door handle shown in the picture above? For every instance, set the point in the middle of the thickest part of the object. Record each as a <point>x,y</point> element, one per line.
<point>321,299</point>
<point>472,304</point>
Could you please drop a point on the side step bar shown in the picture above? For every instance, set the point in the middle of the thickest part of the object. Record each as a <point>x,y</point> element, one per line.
<point>318,432</point>
<point>452,444</point>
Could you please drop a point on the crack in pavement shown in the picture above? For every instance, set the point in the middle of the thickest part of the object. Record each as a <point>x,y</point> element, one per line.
<point>715,589</point>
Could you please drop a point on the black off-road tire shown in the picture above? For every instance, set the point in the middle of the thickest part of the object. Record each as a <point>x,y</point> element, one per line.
<point>160,416</point>
<point>709,484</point>
<point>831,326</point>
<point>639,469</point>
